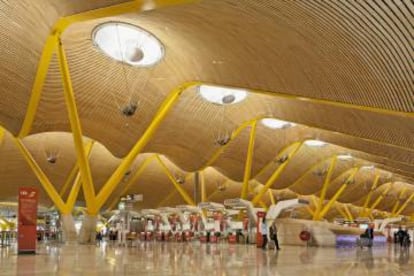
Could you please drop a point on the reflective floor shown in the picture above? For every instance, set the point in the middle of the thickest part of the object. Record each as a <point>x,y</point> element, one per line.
<point>201,259</point>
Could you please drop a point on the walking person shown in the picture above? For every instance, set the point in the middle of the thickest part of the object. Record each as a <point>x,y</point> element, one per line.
<point>273,235</point>
<point>264,233</point>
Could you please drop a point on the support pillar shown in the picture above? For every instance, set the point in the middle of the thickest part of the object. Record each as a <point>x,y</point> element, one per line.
<point>87,233</point>
<point>196,187</point>
<point>68,227</point>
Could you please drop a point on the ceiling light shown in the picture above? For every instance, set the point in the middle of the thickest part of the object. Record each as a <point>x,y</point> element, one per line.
<point>344,157</point>
<point>368,167</point>
<point>275,123</point>
<point>128,43</point>
<point>315,143</point>
<point>222,95</point>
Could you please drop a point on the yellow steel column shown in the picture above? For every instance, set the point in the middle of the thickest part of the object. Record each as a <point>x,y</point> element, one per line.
<point>73,195</point>
<point>132,180</point>
<point>86,175</point>
<point>350,216</point>
<point>69,180</point>
<point>296,146</point>
<point>179,188</point>
<point>41,176</point>
<point>203,187</point>
<point>325,187</point>
<point>113,181</point>
<point>310,211</point>
<point>368,199</point>
<point>249,161</point>
<point>405,204</point>
<point>337,194</point>
<point>397,202</point>
<point>1,135</point>
<point>272,198</point>
<point>379,199</point>
<point>42,69</point>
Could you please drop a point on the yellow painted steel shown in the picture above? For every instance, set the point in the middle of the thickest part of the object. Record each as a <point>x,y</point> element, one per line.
<point>86,175</point>
<point>272,198</point>
<point>41,176</point>
<point>310,211</point>
<point>249,161</point>
<point>162,112</point>
<point>203,186</point>
<point>69,180</point>
<point>314,201</point>
<point>379,199</point>
<point>350,216</point>
<point>42,69</point>
<point>325,187</point>
<point>343,214</point>
<point>294,148</point>
<point>338,193</point>
<point>132,180</point>
<point>368,199</point>
<point>179,188</point>
<point>74,192</point>
<point>397,202</point>
<point>405,204</point>
<point>167,198</point>
<point>2,132</point>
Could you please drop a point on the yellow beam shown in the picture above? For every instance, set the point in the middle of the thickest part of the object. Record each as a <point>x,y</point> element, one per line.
<point>69,180</point>
<point>397,202</point>
<point>379,199</point>
<point>343,214</point>
<point>162,112</point>
<point>73,195</point>
<point>2,131</point>
<point>310,211</point>
<point>167,198</point>
<point>296,146</point>
<point>132,180</point>
<point>325,188</point>
<point>350,216</point>
<point>86,175</point>
<point>42,69</point>
<point>249,161</point>
<point>405,204</point>
<point>203,186</point>
<point>368,199</point>
<point>272,198</point>
<point>338,193</point>
<point>179,188</point>
<point>41,176</point>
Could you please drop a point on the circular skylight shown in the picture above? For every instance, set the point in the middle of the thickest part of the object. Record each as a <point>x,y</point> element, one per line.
<point>275,123</point>
<point>128,43</point>
<point>315,143</point>
<point>222,95</point>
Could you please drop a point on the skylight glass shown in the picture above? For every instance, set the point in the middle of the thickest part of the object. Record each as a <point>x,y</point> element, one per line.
<point>315,143</point>
<point>128,43</point>
<point>275,123</point>
<point>222,95</point>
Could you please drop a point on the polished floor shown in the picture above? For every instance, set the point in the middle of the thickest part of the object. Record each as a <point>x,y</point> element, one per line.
<point>205,259</point>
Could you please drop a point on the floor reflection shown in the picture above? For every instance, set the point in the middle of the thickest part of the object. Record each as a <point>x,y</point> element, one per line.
<point>206,259</point>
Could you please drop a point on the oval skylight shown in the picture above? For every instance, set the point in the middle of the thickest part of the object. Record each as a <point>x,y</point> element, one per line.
<point>315,143</point>
<point>128,43</point>
<point>275,123</point>
<point>222,95</point>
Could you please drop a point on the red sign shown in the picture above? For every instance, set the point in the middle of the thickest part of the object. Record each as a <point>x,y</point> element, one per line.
<point>304,235</point>
<point>27,220</point>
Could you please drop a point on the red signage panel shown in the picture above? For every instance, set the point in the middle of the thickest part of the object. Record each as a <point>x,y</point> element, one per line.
<point>27,219</point>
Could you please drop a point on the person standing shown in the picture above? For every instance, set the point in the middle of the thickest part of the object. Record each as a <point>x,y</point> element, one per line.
<point>273,235</point>
<point>264,233</point>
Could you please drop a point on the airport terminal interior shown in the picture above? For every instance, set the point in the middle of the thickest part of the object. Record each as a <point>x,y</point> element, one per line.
<point>209,137</point>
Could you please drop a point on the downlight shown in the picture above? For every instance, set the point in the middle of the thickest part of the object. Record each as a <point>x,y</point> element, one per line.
<point>128,43</point>
<point>276,124</point>
<point>222,95</point>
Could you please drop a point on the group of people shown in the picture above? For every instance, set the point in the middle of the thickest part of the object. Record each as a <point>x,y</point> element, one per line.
<point>272,234</point>
<point>402,237</point>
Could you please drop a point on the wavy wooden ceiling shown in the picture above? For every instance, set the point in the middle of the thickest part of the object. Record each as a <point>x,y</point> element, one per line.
<point>357,53</point>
